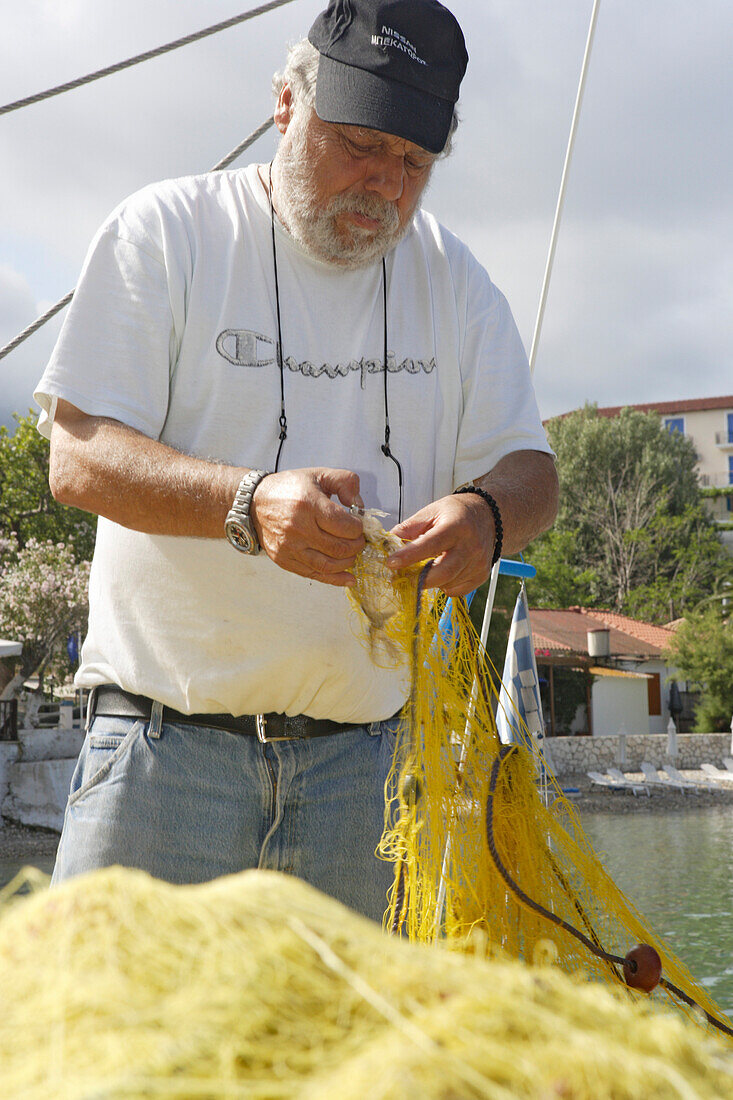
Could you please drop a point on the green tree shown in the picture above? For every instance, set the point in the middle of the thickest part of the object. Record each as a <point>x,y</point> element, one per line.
<point>684,562</point>
<point>632,532</point>
<point>702,651</point>
<point>27,508</point>
<point>560,582</point>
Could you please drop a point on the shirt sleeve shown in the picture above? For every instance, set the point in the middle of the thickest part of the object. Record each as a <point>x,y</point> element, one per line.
<point>114,354</point>
<point>500,413</point>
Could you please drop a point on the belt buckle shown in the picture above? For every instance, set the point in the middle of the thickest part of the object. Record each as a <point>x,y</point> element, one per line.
<point>261,727</point>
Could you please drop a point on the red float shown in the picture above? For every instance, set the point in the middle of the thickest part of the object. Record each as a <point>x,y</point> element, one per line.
<point>642,967</point>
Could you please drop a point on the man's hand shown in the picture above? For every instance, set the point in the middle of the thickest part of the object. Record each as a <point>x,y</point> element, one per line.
<point>458,532</point>
<point>305,532</point>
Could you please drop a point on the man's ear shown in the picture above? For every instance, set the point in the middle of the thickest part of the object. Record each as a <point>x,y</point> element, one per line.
<point>284,108</point>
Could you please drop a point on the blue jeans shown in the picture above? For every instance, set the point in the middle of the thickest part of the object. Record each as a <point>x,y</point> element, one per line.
<point>190,803</point>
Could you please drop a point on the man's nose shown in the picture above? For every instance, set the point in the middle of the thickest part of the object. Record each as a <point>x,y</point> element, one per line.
<point>386,176</point>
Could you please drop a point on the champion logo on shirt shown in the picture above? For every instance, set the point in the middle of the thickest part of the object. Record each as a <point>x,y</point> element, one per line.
<point>244,348</point>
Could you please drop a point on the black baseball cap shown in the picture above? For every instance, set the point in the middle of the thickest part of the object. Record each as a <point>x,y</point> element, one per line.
<point>390,65</point>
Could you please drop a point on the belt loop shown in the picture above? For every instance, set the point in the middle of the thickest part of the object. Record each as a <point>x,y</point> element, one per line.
<point>91,707</point>
<point>156,719</point>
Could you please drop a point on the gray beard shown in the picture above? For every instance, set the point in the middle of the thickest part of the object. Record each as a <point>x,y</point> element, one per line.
<point>314,226</point>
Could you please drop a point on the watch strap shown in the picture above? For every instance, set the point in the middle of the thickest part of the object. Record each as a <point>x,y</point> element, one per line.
<point>240,511</point>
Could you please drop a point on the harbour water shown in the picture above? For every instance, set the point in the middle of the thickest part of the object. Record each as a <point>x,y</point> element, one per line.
<point>677,869</point>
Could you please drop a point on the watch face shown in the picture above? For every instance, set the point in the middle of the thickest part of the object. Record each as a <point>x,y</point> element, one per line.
<point>239,536</point>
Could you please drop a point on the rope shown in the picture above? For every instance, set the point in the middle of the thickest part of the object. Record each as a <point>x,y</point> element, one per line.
<point>36,324</point>
<point>594,948</point>
<point>147,56</point>
<point>239,149</point>
<point>223,163</point>
<point>563,183</point>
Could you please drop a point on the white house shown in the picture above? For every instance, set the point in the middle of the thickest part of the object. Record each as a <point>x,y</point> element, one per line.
<point>629,686</point>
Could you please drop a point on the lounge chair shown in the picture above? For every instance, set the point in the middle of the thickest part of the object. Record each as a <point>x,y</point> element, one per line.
<point>655,779</point>
<point>717,774</point>
<point>698,785</point>
<point>679,779</point>
<point>621,778</point>
<point>615,784</point>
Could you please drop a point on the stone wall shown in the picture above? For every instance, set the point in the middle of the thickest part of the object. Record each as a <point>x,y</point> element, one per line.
<point>582,754</point>
<point>35,775</point>
<point>9,751</point>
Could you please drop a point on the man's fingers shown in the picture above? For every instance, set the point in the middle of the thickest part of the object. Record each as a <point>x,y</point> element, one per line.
<point>455,582</point>
<point>337,546</point>
<point>318,567</point>
<point>330,517</point>
<point>450,527</point>
<point>428,545</point>
<point>336,522</point>
<point>319,563</point>
<point>415,526</point>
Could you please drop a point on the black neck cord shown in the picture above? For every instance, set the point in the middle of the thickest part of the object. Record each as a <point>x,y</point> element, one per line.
<point>385,446</point>
<point>283,420</point>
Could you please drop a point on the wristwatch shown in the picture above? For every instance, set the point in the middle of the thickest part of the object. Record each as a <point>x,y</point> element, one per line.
<point>238,525</point>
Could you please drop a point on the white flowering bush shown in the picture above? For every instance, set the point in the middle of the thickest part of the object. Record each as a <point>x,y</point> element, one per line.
<point>43,599</point>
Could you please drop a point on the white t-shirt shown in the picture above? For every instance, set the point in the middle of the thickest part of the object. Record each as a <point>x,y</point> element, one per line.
<point>173,331</point>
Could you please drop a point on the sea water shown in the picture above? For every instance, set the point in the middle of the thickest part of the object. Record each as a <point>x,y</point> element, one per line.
<point>677,869</point>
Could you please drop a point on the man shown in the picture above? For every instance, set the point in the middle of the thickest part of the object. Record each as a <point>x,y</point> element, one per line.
<point>223,364</point>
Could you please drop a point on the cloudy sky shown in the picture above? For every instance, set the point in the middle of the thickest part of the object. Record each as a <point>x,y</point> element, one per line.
<point>640,303</point>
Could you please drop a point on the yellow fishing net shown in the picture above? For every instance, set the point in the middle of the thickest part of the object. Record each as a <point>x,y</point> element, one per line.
<point>118,986</point>
<point>476,846</point>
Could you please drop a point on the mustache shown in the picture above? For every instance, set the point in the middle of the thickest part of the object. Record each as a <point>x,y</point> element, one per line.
<point>371,206</point>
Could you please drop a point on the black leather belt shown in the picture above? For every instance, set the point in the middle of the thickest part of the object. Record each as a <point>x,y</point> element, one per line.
<point>109,701</point>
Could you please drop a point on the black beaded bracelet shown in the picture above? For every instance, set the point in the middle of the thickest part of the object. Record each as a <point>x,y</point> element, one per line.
<point>496,513</point>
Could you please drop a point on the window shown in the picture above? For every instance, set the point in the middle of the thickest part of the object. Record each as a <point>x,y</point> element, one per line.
<point>729,498</point>
<point>675,424</point>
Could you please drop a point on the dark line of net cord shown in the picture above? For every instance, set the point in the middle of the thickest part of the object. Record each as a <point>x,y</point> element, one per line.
<point>534,905</point>
<point>40,321</point>
<point>147,56</point>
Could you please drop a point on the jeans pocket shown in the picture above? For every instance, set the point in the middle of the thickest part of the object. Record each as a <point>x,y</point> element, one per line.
<point>107,742</point>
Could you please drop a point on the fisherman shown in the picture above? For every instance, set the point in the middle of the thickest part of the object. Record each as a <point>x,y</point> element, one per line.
<point>249,355</point>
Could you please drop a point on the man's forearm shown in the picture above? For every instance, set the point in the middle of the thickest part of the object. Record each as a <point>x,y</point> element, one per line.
<point>525,486</point>
<point>110,469</point>
<point>114,471</point>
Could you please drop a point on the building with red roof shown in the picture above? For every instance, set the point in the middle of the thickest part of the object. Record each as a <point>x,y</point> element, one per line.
<point>627,685</point>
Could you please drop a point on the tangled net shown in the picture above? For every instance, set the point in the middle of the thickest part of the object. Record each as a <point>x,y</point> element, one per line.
<point>118,986</point>
<point>476,846</point>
